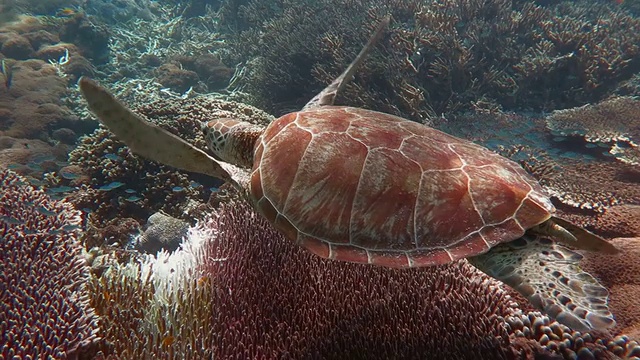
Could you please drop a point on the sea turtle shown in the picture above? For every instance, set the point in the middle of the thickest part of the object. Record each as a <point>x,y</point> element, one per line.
<point>363,186</point>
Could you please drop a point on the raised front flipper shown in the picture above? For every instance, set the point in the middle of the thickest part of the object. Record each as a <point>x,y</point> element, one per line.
<point>149,140</point>
<point>548,275</point>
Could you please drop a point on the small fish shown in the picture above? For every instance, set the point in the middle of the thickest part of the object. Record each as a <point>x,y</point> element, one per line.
<point>113,157</point>
<point>44,211</point>
<point>34,167</point>
<point>177,188</point>
<point>111,186</point>
<point>66,12</point>
<point>7,71</point>
<point>68,175</point>
<point>39,159</point>
<point>70,227</point>
<point>10,220</point>
<point>60,189</point>
<point>133,198</point>
<point>202,281</point>
<point>130,191</point>
<point>194,184</point>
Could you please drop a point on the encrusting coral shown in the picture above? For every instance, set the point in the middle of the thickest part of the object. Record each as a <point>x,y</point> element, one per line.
<point>44,304</point>
<point>260,296</point>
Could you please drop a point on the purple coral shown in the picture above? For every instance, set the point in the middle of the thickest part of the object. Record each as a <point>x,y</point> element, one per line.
<point>44,310</point>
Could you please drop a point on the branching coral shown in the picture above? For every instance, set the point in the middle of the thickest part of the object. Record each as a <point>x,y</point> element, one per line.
<point>44,307</point>
<point>439,56</point>
<point>125,185</point>
<point>257,295</point>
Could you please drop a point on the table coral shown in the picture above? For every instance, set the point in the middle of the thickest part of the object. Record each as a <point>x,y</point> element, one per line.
<point>44,308</point>
<point>612,124</point>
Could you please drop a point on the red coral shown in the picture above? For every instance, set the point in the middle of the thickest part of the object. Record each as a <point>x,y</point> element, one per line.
<point>44,309</point>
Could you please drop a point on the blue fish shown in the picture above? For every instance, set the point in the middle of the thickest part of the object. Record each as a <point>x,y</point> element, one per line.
<point>39,159</point>
<point>70,227</point>
<point>112,157</point>
<point>130,191</point>
<point>111,186</point>
<point>44,211</point>
<point>34,167</point>
<point>60,189</point>
<point>177,188</point>
<point>10,220</point>
<point>133,198</point>
<point>68,175</point>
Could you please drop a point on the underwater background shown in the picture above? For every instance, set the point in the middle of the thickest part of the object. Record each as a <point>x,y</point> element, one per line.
<point>106,255</point>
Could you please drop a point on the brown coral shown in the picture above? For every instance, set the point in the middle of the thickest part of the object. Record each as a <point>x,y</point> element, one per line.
<point>613,123</point>
<point>34,101</point>
<point>44,309</point>
<point>438,56</point>
<point>620,274</point>
<point>106,160</point>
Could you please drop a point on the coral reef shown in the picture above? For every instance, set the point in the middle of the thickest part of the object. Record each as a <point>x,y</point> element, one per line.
<point>162,233</point>
<point>260,296</point>
<point>612,124</point>
<point>438,57</point>
<point>44,307</point>
<point>123,185</point>
<point>32,106</point>
<point>619,274</point>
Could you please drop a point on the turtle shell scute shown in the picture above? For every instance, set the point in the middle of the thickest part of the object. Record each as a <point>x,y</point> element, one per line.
<point>363,186</point>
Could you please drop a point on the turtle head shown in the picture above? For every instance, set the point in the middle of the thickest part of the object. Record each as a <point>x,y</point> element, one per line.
<point>232,141</point>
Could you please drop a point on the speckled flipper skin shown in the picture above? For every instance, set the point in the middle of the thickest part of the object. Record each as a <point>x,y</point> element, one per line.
<point>548,275</point>
<point>147,139</point>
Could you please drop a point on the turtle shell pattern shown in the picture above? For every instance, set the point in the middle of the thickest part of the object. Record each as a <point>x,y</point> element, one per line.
<point>362,186</point>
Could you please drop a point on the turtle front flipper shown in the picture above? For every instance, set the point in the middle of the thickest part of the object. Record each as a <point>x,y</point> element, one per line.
<point>548,275</point>
<point>573,235</point>
<point>147,139</point>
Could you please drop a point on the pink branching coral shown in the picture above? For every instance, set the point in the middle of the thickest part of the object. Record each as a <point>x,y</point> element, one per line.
<point>273,298</point>
<point>259,296</point>
<point>44,308</point>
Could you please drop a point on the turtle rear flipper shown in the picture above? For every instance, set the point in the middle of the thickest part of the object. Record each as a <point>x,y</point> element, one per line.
<point>147,139</point>
<point>548,275</point>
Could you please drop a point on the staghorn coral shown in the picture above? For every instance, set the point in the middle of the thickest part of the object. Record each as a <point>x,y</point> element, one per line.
<point>107,161</point>
<point>613,123</point>
<point>438,57</point>
<point>44,307</point>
